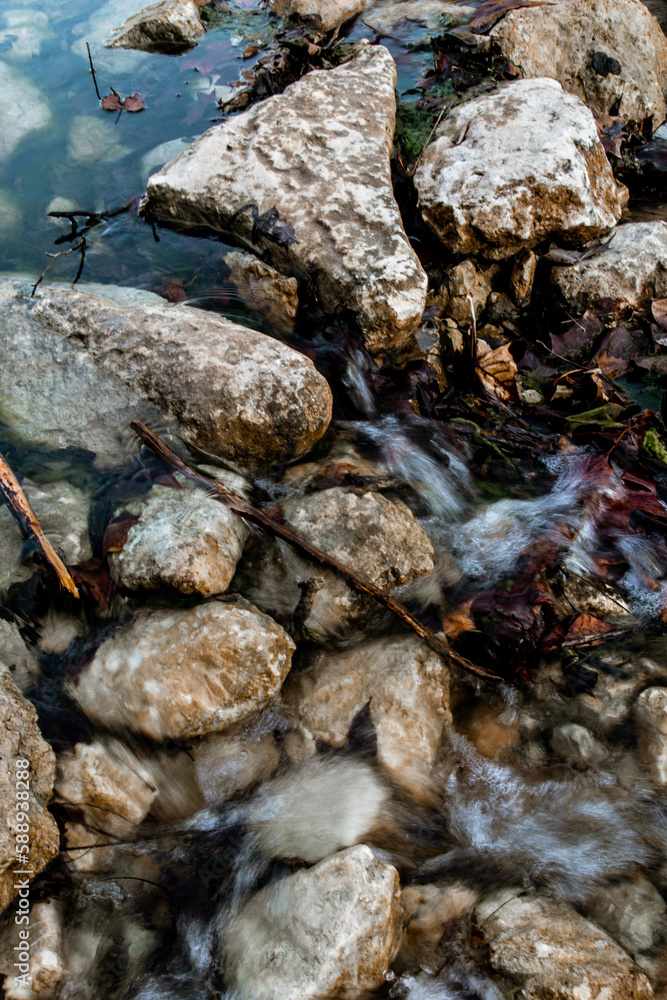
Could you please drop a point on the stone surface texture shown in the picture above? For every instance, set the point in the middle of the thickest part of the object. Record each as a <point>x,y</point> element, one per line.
<point>46,958</point>
<point>330,13</point>
<point>319,154</point>
<point>328,932</point>
<point>19,117</point>
<point>15,656</point>
<point>556,954</point>
<point>506,171</point>
<point>264,290</point>
<point>379,539</point>
<point>406,687</point>
<point>20,739</point>
<point>184,541</point>
<point>632,912</point>
<point>633,266</point>
<point>651,721</point>
<point>228,763</point>
<point>170,25</point>
<point>561,39</point>
<point>233,390</point>
<point>185,672</point>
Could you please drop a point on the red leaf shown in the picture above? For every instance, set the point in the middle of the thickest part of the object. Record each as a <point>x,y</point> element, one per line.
<point>134,103</point>
<point>112,102</point>
<point>116,533</point>
<point>95,575</point>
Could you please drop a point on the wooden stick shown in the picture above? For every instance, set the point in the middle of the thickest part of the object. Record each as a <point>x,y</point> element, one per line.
<point>256,516</point>
<point>30,527</point>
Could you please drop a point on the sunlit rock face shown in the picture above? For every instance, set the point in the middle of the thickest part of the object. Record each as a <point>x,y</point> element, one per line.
<point>167,26</point>
<point>506,171</point>
<point>319,154</point>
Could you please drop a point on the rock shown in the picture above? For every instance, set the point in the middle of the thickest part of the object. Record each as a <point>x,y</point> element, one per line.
<point>464,280</point>
<point>167,26</point>
<point>102,19</point>
<point>319,154</point>
<point>406,686</point>
<point>367,532</point>
<point>44,937</point>
<point>389,16</point>
<point>173,775</point>
<point>317,808</point>
<point>11,216</point>
<point>233,390</point>
<point>107,782</point>
<point>330,13</point>
<point>264,291</point>
<point>20,739</point>
<point>184,541</point>
<point>522,278</point>
<point>511,169</point>
<point>93,140</point>
<point>573,42</point>
<point>327,932</point>
<point>16,657</point>
<point>651,722</point>
<point>185,672</point>
<point>62,511</point>
<point>632,912</point>
<point>557,955</point>
<point>54,395</point>
<point>20,116</point>
<point>23,33</point>
<point>156,158</point>
<point>577,745</point>
<point>428,913</point>
<point>632,267</point>
<point>228,763</point>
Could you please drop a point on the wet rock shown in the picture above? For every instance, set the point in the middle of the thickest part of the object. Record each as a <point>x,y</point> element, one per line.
<point>380,540</point>
<point>318,808</point>
<point>264,290</point>
<point>328,932</point>
<point>406,687</point>
<point>168,26</point>
<point>428,912</point>
<point>577,745</point>
<point>557,955</point>
<point>23,33</point>
<point>21,116</point>
<point>173,775</point>
<point>11,216</point>
<point>92,140</point>
<point>319,154</point>
<point>228,763</point>
<point>633,267</point>
<point>183,541</point>
<point>20,739</point>
<point>45,950</point>
<point>389,16</point>
<point>550,174</point>
<point>185,672</point>
<point>233,390</point>
<point>522,278</point>
<point>651,721</point>
<point>632,912</point>
<point>575,41</point>
<point>62,511</point>
<point>464,280</point>
<point>330,13</point>
<point>16,657</point>
<point>107,782</point>
<point>156,158</point>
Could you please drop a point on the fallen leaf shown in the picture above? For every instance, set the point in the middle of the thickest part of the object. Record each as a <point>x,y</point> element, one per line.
<point>659,311</point>
<point>95,575</point>
<point>605,65</point>
<point>114,102</point>
<point>585,625</point>
<point>251,51</point>
<point>134,103</point>
<point>458,620</point>
<point>116,533</point>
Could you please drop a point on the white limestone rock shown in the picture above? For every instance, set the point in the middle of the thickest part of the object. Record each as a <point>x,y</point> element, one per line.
<point>330,13</point>
<point>319,154</point>
<point>506,171</point>
<point>166,26</point>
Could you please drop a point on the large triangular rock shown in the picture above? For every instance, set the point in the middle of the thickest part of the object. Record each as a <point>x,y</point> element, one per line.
<point>319,154</point>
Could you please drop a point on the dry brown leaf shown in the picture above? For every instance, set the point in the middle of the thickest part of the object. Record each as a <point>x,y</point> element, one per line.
<point>585,625</point>
<point>458,620</point>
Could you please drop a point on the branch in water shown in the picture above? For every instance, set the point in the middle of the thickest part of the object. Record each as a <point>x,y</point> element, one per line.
<point>16,500</point>
<point>437,643</point>
<point>81,245</point>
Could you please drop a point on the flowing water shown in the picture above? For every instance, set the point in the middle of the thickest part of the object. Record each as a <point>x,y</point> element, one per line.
<point>144,921</point>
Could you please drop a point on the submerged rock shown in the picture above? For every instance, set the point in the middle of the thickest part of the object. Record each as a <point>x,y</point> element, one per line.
<point>651,721</point>
<point>264,290</point>
<point>555,954</point>
<point>233,390</point>
<point>380,540</point>
<point>46,953</point>
<point>610,53</point>
<point>24,109</point>
<point>184,541</point>
<point>185,672</point>
<point>509,170</point>
<point>319,154</point>
<point>632,912</point>
<point>406,687</point>
<point>633,266</point>
<point>228,763</point>
<point>170,25</point>
<point>330,13</point>
<point>428,912</point>
<point>20,739</point>
<point>16,657</point>
<point>328,933</point>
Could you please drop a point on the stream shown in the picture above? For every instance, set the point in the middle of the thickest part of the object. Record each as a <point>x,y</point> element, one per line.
<point>249,780</point>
